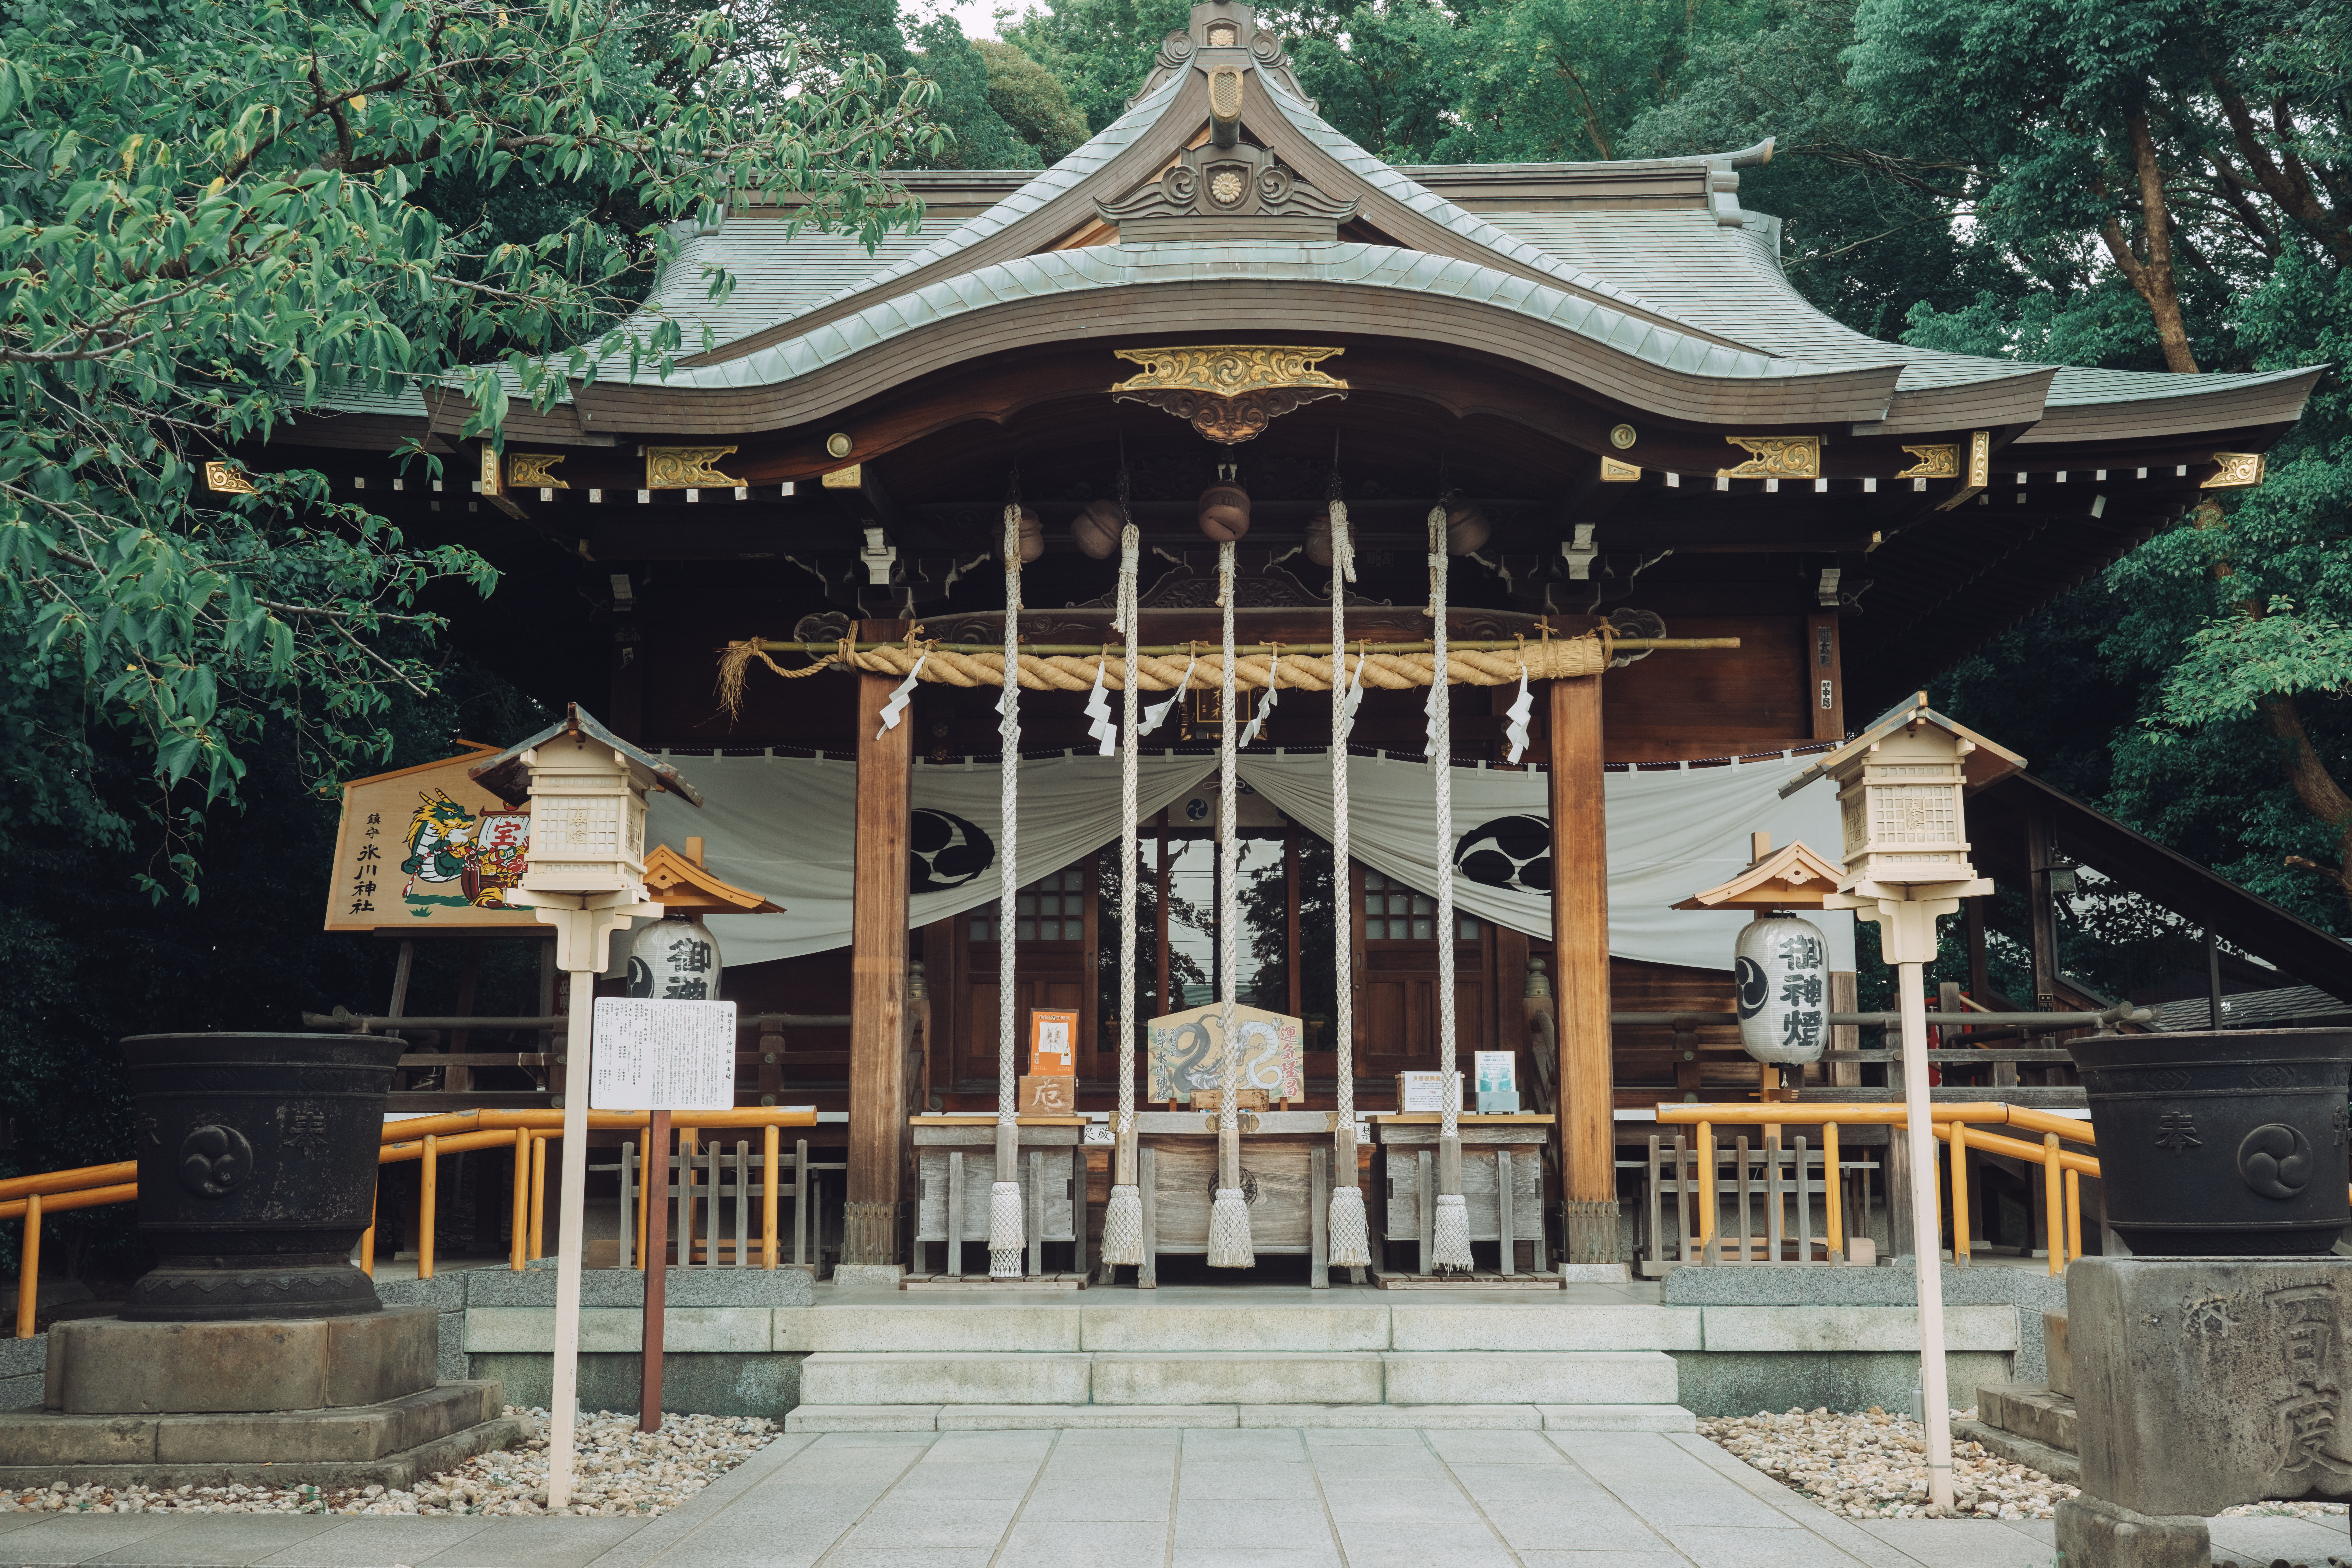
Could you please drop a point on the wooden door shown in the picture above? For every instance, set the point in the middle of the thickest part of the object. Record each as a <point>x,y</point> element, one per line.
<point>1396,978</point>
<point>1053,966</point>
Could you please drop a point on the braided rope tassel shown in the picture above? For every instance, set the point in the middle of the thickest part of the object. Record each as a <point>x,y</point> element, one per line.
<point>1004,1239</point>
<point>1351,1231</point>
<point>1451,1221</point>
<point>1229,1221</point>
<point>1122,1238</point>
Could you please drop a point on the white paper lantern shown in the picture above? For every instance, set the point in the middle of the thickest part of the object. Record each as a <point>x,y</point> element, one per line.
<point>675,961</point>
<point>1784,988</point>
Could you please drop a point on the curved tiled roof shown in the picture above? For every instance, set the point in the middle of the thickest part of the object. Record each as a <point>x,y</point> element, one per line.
<point>1728,280</point>
<point>1686,289</point>
<point>1079,271</point>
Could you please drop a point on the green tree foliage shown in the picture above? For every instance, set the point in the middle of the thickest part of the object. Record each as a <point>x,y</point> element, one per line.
<point>1028,98</point>
<point>1099,50</point>
<point>213,216</point>
<point>978,136</point>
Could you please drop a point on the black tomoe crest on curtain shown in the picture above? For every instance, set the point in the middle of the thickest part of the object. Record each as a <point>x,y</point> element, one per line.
<point>945,851</point>
<point>1513,853</point>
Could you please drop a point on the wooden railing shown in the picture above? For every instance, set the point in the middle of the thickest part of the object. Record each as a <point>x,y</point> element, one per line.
<point>421,1138</point>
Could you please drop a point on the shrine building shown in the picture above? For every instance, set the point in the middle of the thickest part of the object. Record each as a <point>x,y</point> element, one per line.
<point>1708,532</point>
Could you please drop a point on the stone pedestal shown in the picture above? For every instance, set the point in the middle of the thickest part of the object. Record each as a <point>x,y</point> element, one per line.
<point>2095,1534</point>
<point>328,1402</point>
<point>2201,1382</point>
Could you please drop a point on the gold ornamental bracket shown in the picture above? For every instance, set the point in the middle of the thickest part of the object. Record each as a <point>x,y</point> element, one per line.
<point>686,468</point>
<point>1775,457</point>
<point>1616,471</point>
<point>2238,471</point>
<point>223,480</point>
<point>1933,463</point>
<point>1228,391</point>
<point>1979,472</point>
<point>535,471</point>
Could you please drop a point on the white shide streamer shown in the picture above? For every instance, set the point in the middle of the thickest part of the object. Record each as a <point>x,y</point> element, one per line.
<point>901,695</point>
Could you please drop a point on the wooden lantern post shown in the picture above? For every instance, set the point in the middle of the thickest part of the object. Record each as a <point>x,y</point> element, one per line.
<point>586,877</point>
<point>1900,788</point>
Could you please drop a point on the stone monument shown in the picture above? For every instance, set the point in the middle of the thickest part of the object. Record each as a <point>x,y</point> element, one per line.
<point>254,1352</point>
<point>2204,1379</point>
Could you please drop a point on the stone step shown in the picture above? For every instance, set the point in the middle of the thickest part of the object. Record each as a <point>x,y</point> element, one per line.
<point>1124,1324</point>
<point>1028,1417</point>
<point>1151,1378</point>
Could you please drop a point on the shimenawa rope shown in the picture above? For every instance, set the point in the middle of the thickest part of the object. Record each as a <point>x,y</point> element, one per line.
<point>1559,659</point>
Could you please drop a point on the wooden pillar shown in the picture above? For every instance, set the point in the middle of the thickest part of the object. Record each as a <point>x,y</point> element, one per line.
<point>878,975</point>
<point>1580,918</point>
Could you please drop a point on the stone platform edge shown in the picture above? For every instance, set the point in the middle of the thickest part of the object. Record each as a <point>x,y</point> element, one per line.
<point>817,1418</point>
<point>392,1472</point>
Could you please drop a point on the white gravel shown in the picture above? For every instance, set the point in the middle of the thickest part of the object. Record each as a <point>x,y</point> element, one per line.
<point>617,1471</point>
<point>1871,1465</point>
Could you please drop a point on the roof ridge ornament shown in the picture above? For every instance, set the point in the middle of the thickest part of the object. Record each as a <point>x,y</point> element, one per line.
<point>1223,25</point>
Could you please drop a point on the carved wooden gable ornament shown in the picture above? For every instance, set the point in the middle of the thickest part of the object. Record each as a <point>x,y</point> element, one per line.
<point>1227,192</point>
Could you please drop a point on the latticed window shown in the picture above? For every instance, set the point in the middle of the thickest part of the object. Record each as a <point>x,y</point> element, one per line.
<point>1051,908</point>
<point>1395,912</point>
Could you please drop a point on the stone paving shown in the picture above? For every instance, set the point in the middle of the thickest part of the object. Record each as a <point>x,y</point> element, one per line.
<point>1178,1499</point>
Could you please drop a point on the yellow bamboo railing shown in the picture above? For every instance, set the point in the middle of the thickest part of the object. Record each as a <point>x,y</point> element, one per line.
<point>1954,1123</point>
<point>424,1138</point>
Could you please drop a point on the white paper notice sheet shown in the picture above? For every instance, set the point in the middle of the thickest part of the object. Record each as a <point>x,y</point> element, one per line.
<point>662,1056</point>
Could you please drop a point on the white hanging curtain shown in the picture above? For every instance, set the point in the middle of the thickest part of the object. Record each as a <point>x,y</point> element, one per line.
<point>1670,833</point>
<point>784,826</point>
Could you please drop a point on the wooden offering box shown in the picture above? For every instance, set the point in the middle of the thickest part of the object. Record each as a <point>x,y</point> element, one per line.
<point>955,1167</point>
<point>1285,1172</point>
<point>1502,1180</point>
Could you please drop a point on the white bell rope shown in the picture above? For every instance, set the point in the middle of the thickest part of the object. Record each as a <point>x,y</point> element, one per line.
<point>1122,1238</point>
<point>1004,1239</point>
<point>1229,1221</point>
<point>1351,1234</point>
<point>1450,1224</point>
